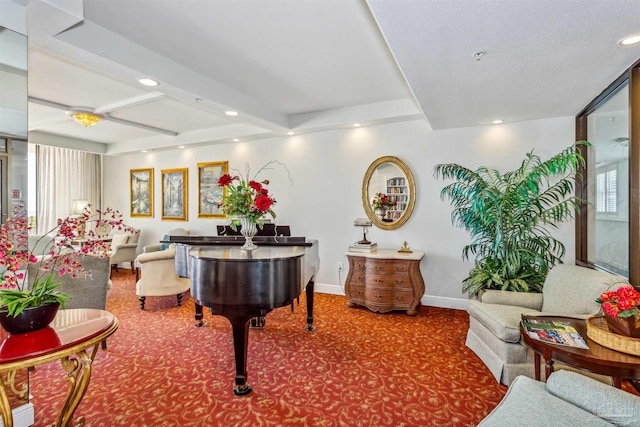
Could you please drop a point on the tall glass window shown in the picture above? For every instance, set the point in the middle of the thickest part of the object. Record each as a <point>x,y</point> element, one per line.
<point>608,184</point>
<point>608,224</point>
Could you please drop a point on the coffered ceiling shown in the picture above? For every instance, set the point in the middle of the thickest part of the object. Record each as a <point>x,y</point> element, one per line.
<point>306,66</point>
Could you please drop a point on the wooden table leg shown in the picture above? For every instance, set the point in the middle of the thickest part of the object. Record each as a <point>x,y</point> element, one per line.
<point>617,382</point>
<point>536,365</point>
<point>548,369</point>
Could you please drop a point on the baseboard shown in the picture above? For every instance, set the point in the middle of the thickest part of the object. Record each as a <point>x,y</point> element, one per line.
<point>445,302</point>
<point>427,300</point>
<point>23,416</point>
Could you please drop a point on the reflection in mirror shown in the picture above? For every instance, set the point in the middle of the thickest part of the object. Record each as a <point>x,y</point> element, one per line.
<point>13,83</point>
<point>388,193</point>
<point>13,120</point>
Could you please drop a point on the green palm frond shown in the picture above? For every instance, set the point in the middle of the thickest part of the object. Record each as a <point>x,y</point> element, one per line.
<point>508,216</point>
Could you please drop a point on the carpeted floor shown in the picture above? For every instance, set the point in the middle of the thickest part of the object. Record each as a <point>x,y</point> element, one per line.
<point>357,369</point>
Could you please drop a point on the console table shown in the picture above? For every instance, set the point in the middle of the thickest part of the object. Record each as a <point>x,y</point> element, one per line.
<point>67,339</point>
<point>385,280</point>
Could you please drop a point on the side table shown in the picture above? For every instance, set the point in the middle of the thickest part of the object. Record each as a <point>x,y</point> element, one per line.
<point>597,358</point>
<point>385,280</point>
<point>67,339</point>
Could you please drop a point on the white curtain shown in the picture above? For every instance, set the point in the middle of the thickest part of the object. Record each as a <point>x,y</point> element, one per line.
<point>62,176</point>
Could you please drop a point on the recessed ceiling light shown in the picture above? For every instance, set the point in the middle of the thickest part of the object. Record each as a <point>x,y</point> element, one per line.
<point>148,82</point>
<point>290,133</point>
<point>180,146</point>
<point>144,151</point>
<point>497,122</point>
<point>231,113</point>
<point>356,125</point>
<point>236,140</point>
<point>628,41</point>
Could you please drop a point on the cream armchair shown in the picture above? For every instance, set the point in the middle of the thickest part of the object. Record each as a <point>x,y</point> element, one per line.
<point>124,248</point>
<point>165,246</point>
<point>158,276</point>
<point>494,334</point>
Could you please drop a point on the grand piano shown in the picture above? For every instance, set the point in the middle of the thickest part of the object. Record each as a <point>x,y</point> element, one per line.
<point>244,285</point>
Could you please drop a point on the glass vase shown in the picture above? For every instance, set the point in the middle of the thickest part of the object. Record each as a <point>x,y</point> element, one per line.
<point>248,229</point>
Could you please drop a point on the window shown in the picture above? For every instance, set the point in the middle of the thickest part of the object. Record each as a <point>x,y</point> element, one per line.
<point>606,189</point>
<point>608,221</point>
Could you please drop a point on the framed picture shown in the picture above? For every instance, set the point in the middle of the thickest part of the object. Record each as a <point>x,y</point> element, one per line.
<point>174,194</point>
<point>210,194</point>
<point>141,190</point>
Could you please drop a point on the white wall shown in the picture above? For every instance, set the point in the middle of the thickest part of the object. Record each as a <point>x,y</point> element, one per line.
<point>328,168</point>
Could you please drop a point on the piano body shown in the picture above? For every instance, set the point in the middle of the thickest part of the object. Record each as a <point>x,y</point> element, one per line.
<point>241,285</point>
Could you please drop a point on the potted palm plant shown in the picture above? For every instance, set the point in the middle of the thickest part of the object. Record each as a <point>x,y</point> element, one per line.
<point>509,216</point>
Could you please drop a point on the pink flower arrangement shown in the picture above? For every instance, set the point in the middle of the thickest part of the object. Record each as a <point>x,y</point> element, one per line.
<point>58,255</point>
<point>623,302</point>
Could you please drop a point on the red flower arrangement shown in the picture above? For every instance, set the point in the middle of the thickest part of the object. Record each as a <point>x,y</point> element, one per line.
<point>623,302</point>
<point>382,201</point>
<point>247,197</point>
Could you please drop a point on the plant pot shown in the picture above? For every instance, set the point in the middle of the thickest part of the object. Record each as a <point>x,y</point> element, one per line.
<point>30,319</point>
<point>627,326</point>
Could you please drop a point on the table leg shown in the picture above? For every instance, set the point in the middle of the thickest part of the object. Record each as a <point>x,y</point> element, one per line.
<point>617,382</point>
<point>548,368</point>
<point>536,365</point>
<point>7,416</point>
<point>78,375</point>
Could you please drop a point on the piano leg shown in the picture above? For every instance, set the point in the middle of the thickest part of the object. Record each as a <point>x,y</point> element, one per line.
<point>240,326</point>
<point>310,287</point>
<point>199,316</point>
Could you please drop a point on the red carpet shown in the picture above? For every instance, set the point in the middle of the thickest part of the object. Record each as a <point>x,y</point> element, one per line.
<point>357,369</point>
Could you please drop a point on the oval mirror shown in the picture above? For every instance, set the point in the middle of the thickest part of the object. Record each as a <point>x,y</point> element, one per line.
<point>388,193</point>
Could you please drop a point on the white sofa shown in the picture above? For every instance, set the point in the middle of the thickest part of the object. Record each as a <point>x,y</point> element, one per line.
<point>494,318</point>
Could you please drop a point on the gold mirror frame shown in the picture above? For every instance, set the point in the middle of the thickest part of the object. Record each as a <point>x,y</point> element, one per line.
<point>411,184</point>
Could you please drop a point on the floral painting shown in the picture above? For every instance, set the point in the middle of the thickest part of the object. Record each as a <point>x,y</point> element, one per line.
<point>211,194</point>
<point>174,194</point>
<point>141,190</point>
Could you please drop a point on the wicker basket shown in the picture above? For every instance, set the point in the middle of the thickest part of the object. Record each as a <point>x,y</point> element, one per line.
<point>598,330</point>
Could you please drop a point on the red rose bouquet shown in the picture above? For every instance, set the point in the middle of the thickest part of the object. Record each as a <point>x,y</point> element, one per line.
<point>248,197</point>
<point>623,302</point>
<point>382,201</point>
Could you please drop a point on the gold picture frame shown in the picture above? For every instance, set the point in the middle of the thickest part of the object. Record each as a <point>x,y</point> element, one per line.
<point>175,190</point>
<point>141,193</point>
<point>210,194</point>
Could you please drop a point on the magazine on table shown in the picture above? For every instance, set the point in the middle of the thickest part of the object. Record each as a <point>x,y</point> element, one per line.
<point>553,331</point>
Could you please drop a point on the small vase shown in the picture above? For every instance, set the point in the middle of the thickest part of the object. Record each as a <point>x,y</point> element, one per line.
<point>381,213</point>
<point>248,229</point>
<point>627,326</point>
<point>30,319</point>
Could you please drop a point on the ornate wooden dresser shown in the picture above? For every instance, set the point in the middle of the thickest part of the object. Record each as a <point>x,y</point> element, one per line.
<point>385,280</point>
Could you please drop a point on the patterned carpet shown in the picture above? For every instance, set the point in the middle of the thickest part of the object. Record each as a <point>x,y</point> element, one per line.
<point>357,369</point>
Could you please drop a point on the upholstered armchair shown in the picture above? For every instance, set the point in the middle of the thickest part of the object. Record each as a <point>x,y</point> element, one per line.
<point>164,246</point>
<point>85,292</point>
<point>158,276</point>
<point>494,318</point>
<point>124,248</point>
